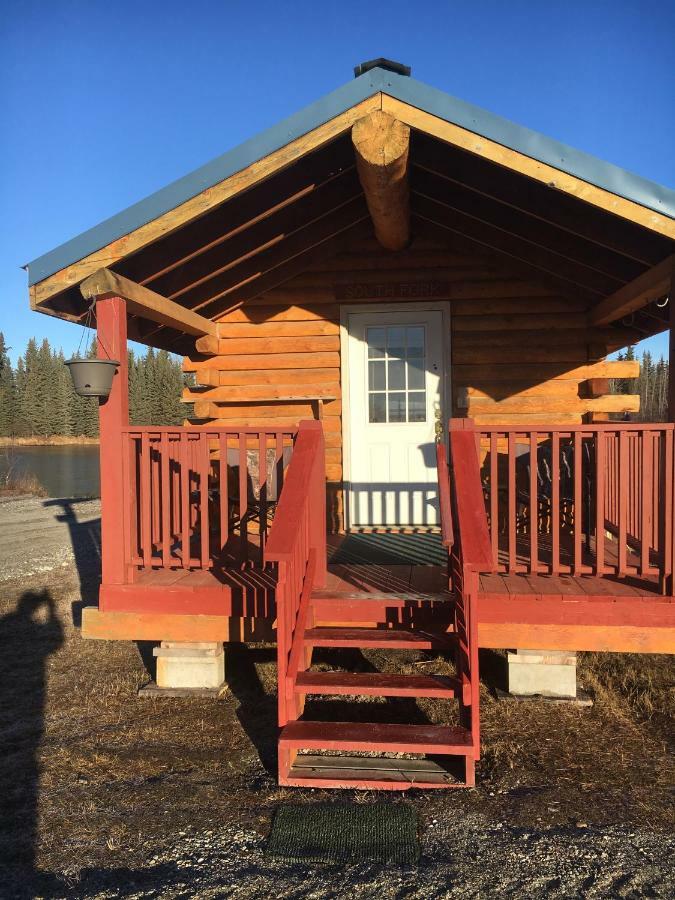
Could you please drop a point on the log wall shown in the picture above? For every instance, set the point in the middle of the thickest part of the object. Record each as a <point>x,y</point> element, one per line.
<point>520,351</point>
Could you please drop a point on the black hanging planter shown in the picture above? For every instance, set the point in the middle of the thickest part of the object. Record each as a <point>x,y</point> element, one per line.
<point>92,377</point>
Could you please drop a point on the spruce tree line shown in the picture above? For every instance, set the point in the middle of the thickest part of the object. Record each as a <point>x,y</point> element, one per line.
<point>651,384</point>
<point>37,397</point>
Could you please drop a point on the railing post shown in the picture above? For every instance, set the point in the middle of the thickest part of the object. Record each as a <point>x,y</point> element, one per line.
<point>113,413</point>
<point>317,501</point>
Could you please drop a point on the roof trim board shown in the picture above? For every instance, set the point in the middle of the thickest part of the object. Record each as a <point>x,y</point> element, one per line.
<point>400,88</point>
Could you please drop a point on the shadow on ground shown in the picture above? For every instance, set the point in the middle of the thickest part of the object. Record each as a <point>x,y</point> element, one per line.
<point>28,636</point>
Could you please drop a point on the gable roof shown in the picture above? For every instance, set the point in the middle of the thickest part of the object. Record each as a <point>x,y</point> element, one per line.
<point>648,216</point>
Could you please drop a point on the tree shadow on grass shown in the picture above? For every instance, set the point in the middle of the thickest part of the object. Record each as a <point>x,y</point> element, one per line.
<point>28,636</point>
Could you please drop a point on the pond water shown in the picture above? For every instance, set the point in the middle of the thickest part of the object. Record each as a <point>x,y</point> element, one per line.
<point>64,471</point>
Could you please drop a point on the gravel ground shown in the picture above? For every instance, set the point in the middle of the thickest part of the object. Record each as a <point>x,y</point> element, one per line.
<point>468,858</point>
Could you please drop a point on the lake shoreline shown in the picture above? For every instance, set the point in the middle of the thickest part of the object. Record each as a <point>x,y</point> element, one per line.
<point>57,440</point>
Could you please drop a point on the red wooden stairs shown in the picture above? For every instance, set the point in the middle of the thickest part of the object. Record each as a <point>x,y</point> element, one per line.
<point>370,754</point>
<point>399,756</point>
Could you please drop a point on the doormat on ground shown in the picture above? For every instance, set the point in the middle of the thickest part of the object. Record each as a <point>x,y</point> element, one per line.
<point>345,832</point>
<point>385,549</point>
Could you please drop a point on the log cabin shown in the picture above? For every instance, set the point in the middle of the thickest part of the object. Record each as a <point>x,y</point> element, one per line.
<point>398,310</point>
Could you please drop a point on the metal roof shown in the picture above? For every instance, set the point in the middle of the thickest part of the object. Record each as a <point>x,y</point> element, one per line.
<point>408,90</point>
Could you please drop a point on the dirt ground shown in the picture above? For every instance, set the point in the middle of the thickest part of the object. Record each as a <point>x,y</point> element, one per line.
<point>104,794</point>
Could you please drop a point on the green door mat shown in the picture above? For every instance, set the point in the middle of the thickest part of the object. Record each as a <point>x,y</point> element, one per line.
<point>343,832</point>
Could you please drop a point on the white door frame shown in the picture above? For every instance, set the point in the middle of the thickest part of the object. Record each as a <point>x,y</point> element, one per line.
<point>442,306</point>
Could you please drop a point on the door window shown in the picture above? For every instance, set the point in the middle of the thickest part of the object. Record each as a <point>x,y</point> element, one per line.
<point>396,374</point>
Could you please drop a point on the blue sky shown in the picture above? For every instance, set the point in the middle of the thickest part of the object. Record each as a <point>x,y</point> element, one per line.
<point>103,103</point>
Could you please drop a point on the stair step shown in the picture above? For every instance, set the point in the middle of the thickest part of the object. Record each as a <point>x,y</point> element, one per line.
<point>376,684</point>
<point>372,736</point>
<point>373,772</point>
<point>390,638</point>
<point>392,599</point>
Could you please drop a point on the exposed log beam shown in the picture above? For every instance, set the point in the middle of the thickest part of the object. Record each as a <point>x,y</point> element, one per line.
<point>146,303</point>
<point>382,145</point>
<point>651,285</point>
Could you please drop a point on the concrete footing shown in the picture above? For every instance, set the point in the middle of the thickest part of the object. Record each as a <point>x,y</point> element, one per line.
<point>547,673</point>
<point>190,666</point>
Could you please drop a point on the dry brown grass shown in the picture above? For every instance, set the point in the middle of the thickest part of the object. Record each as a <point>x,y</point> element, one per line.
<point>16,483</point>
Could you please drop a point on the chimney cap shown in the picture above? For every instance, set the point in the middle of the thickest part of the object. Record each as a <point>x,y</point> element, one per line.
<point>382,63</point>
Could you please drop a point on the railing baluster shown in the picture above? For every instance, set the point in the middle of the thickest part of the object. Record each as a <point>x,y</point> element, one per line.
<point>203,469</point>
<point>165,500</point>
<point>599,503</point>
<point>223,493</point>
<point>623,485</point>
<point>262,489</point>
<point>645,483</point>
<point>534,504</point>
<point>555,503</point>
<point>185,499</point>
<point>494,496</point>
<point>578,501</point>
<point>146,536</point>
<point>512,502</point>
<point>243,493</point>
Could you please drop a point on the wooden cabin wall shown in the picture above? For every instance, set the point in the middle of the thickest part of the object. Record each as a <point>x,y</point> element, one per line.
<point>520,351</point>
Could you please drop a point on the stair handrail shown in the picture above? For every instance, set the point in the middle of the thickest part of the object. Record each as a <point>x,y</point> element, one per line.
<point>298,536</point>
<point>468,504</point>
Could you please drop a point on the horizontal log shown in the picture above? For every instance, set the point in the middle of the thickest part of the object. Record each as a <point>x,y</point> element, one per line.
<point>533,321</point>
<point>240,393</point>
<point>249,314</point>
<point>554,405</point>
<point>265,360</point>
<point>503,389</point>
<point>312,328</point>
<point>239,346</point>
<point>526,419</point>
<point>206,409</point>
<point>516,306</point>
<point>544,372</point>
<point>331,425</point>
<point>305,379</point>
<point>560,353</point>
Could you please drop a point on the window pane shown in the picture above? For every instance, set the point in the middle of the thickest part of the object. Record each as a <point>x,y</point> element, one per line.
<point>396,407</point>
<point>396,368</point>
<point>376,381</point>
<point>416,374</point>
<point>417,407</point>
<point>396,342</point>
<point>415,335</point>
<point>376,408</point>
<point>376,340</point>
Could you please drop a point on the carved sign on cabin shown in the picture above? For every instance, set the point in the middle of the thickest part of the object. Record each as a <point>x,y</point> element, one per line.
<point>399,290</point>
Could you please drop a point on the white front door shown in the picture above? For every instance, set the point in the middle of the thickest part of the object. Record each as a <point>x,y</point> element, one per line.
<point>395,364</point>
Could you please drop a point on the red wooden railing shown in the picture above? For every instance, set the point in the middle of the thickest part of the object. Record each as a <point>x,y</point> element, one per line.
<point>581,500</point>
<point>187,491</point>
<point>297,544</point>
<point>465,532</point>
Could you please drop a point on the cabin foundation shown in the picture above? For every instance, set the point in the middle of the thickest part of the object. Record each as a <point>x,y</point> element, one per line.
<point>190,665</point>
<point>545,673</point>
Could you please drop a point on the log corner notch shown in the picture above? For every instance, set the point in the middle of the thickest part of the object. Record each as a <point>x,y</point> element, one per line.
<point>146,304</point>
<point>382,146</point>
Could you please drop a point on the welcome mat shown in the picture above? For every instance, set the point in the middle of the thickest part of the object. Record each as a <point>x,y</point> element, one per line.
<point>386,549</point>
<point>345,832</point>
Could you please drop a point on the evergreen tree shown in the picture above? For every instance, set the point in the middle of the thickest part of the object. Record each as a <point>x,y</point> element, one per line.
<point>7,392</point>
